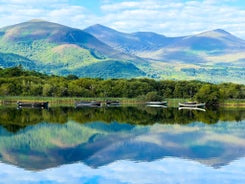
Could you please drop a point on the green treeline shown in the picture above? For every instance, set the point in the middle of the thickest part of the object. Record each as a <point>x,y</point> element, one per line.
<point>18,82</point>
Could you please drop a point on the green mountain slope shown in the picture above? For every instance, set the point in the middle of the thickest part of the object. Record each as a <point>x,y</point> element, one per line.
<point>54,48</point>
<point>37,33</point>
<point>111,69</point>
<point>99,51</point>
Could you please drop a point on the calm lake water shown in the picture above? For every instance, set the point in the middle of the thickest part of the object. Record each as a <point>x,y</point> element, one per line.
<point>121,145</point>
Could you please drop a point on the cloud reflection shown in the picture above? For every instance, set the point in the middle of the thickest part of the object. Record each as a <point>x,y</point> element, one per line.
<point>168,170</point>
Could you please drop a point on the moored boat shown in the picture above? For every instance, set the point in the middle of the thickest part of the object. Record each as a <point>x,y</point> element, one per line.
<point>112,103</point>
<point>43,105</point>
<point>191,104</point>
<point>88,104</point>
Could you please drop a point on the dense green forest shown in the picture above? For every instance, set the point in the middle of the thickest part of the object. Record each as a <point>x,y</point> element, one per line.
<point>16,81</point>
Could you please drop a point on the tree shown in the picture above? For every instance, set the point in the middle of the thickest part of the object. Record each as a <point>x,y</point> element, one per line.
<point>4,89</point>
<point>72,77</point>
<point>209,94</point>
<point>47,90</point>
<point>153,96</point>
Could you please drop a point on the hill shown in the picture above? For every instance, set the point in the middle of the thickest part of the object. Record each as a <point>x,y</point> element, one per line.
<point>54,48</point>
<point>159,47</point>
<point>111,69</point>
<point>8,60</point>
<point>99,51</point>
<point>214,55</point>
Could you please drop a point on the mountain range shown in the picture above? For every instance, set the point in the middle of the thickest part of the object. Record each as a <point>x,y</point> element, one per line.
<point>99,51</point>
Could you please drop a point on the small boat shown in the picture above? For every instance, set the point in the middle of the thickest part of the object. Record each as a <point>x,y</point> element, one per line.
<point>112,103</point>
<point>43,105</point>
<point>191,104</point>
<point>87,104</point>
<point>156,104</point>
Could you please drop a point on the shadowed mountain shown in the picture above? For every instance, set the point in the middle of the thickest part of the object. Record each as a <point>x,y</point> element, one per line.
<point>129,43</point>
<point>162,48</point>
<point>212,41</point>
<point>214,56</point>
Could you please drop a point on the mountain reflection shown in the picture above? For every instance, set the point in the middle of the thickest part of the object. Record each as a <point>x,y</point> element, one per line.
<point>39,139</point>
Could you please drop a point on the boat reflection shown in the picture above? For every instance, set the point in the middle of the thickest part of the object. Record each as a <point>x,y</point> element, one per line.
<point>157,104</point>
<point>192,108</point>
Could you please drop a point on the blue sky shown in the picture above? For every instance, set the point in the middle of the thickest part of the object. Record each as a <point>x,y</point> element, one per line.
<point>168,17</point>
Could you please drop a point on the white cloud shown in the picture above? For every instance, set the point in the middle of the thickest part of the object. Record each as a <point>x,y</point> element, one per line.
<point>61,13</point>
<point>168,17</point>
<point>31,1</point>
<point>174,18</point>
<point>120,6</point>
<point>70,15</point>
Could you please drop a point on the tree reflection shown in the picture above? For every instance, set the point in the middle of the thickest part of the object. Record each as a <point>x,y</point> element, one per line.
<point>15,119</point>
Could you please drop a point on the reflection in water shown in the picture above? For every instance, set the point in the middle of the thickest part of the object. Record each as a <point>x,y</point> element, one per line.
<point>15,119</point>
<point>167,171</point>
<point>39,139</point>
<point>95,145</point>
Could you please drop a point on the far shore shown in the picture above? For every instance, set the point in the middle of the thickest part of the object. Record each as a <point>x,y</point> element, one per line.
<point>70,101</point>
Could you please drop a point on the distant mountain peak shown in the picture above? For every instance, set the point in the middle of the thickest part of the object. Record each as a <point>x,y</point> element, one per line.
<point>37,20</point>
<point>100,28</point>
<point>99,25</point>
<point>216,33</point>
<point>220,31</point>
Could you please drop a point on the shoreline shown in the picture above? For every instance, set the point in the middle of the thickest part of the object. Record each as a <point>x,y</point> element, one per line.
<point>62,101</point>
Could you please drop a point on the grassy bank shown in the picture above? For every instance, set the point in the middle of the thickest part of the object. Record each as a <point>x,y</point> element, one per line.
<point>63,101</point>
<point>233,103</point>
<point>69,101</point>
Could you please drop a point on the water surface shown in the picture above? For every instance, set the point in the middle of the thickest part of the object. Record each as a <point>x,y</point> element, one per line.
<point>122,145</point>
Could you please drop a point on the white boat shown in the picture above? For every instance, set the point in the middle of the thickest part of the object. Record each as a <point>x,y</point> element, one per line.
<point>191,104</point>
